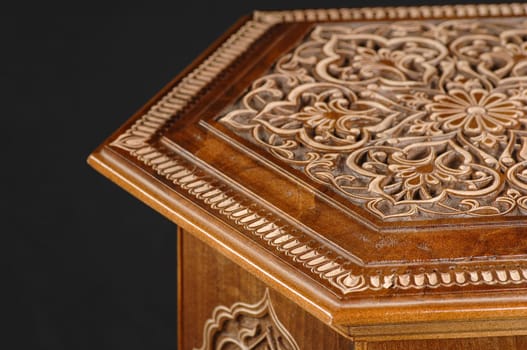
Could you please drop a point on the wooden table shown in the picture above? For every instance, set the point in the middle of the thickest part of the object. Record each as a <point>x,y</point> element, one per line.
<point>351,178</point>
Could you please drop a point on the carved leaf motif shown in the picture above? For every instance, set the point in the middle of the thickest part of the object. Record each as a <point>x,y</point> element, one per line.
<point>197,182</point>
<point>246,327</point>
<point>409,120</point>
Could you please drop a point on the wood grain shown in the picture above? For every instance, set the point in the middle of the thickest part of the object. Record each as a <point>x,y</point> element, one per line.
<point>382,193</point>
<point>210,280</point>
<point>228,284</point>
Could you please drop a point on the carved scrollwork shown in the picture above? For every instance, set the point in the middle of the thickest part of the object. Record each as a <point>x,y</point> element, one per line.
<point>410,120</point>
<point>246,327</point>
<point>509,157</point>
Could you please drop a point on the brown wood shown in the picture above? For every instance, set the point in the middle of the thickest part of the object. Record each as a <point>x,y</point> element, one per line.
<point>490,343</point>
<point>228,284</point>
<point>373,174</point>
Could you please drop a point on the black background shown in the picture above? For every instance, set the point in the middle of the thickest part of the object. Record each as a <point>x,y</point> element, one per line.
<point>88,266</point>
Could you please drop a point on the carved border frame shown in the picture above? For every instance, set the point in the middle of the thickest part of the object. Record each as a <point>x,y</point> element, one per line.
<point>342,274</point>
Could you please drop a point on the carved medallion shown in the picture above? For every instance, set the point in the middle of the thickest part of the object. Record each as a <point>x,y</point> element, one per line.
<point>246,327</point>
<point>410,120</point>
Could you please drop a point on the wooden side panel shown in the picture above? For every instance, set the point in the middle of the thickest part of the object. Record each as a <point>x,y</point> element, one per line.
<point>209,280</point>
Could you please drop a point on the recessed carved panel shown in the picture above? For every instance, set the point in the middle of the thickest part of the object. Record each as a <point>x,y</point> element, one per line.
<point>246,327</point>
<point>461,262</point>
<point>270,142</point>
<point>411,120</point>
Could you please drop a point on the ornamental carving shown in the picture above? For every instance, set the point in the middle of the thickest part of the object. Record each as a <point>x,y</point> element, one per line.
<point>246,327</point>
<point>410,120</point>
<point>195,181</point>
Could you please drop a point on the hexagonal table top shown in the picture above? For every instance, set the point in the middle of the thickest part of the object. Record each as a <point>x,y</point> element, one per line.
<point>356,157</point>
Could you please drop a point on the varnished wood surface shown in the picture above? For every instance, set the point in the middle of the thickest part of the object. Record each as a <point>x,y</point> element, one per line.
<point>210,280</point>
<point>493,343</point>
<point>227,284</point>
<point>380,258</point>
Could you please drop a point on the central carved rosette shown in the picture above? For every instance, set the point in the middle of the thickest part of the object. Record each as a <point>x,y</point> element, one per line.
<point>411,119</point>
<point>475,112</point>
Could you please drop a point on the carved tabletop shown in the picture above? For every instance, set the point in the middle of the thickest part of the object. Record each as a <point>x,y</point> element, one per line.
<point>370,164</point>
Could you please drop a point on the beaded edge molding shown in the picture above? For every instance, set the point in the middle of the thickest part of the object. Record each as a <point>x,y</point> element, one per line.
<point>389,13</point>
<point>260,222</point>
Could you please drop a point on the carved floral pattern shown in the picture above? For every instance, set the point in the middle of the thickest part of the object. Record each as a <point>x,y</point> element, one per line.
<point>326,265</point>
<point>411,120</point>
<point>247,327</point>
<point>475,112</point>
